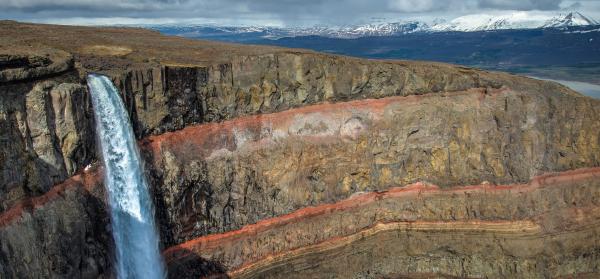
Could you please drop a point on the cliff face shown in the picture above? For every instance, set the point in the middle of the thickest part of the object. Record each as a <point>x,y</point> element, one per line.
<point>218,177</point>
<point>475,231</point>
<point>240,135</point>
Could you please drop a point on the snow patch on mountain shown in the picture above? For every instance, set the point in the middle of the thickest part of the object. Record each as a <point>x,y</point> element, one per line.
<point>513,20</point>
<point>353,31</point>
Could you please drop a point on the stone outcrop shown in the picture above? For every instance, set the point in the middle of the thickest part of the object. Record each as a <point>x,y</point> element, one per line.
<point>18,63</point>
<point>46,136</point>
<point>265,161</point>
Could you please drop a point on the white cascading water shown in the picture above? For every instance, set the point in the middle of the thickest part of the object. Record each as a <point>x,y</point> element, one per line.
<point>133,226</point>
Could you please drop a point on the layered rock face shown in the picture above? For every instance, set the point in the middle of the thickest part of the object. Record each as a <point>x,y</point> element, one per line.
<point>266,162</point>
<point>475,231</point>
<point>219,177</point>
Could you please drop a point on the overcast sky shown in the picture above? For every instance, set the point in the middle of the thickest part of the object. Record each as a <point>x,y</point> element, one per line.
<point>271,12</point>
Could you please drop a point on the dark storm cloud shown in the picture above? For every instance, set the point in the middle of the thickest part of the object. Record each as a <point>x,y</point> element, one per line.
<point>316,11</point>
<point>89,5</point>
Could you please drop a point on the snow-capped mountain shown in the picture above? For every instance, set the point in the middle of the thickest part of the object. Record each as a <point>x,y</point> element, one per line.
<point>513,20</point>
<point>570,19</point>
<point>380,29</point>
<point>356,31</point>
<point>468,23</point>
<point>346,32</point>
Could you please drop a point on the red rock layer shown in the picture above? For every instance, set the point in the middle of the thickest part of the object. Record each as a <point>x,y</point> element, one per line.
<point>580,232</point>
<point>215,247</point>
<point>200,138</point>
<point>88,180</point>
<point>207,138</point>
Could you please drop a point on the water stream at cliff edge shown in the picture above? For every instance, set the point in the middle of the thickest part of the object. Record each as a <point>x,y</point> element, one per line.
<point>132,214</point>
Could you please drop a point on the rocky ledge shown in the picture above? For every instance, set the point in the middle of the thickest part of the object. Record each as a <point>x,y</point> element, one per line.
<point>268,161</point>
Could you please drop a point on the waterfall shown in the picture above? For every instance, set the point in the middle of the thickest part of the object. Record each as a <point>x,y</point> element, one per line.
<point>131,209</point>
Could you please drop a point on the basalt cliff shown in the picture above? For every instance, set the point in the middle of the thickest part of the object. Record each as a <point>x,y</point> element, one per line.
<point>268,162</point>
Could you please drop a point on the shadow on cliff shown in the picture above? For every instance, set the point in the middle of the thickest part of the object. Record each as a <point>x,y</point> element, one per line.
<point>194,266</point>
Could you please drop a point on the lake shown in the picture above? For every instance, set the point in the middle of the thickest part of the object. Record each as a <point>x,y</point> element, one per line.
<point>585,88</point>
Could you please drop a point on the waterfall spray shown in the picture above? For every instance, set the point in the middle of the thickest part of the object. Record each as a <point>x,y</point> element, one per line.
<point>132,214</point>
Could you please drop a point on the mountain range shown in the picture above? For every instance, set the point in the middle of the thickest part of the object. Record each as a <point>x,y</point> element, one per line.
<point>468,23</point>
<point>514,20</point>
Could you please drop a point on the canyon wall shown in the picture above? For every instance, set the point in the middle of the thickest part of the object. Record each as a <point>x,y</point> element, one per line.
<point>218,177</point>
<point>242,138</point>
<point>479,231</point>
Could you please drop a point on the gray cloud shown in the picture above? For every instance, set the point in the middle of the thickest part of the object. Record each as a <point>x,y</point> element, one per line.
<point>36,6</point>
<point>521,4</point>
<point>286,11</point>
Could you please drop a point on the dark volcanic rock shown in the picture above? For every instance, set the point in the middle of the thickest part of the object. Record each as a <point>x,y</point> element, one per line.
<point>62,234</point>
<point>46,135</point>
